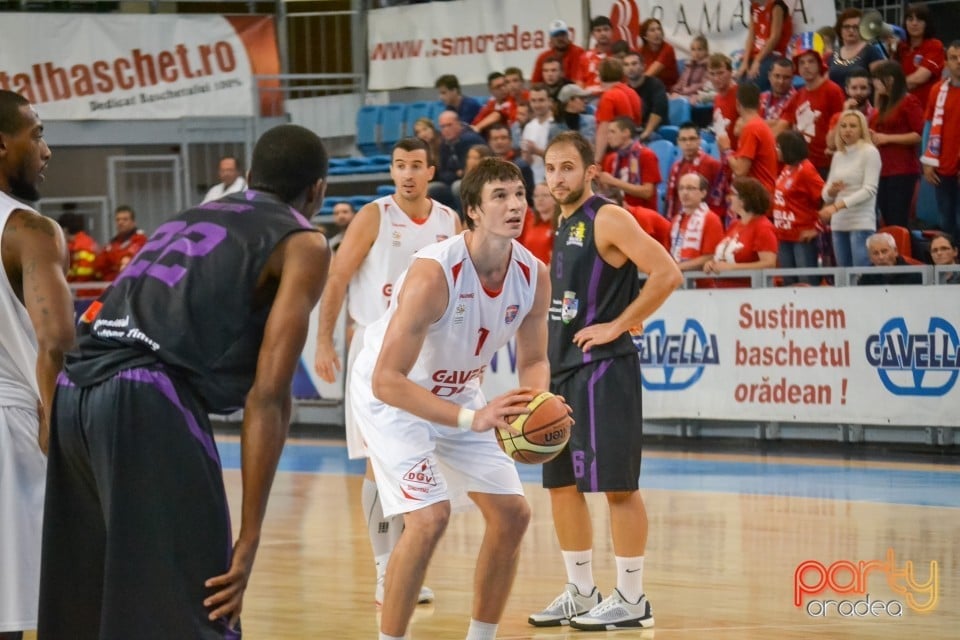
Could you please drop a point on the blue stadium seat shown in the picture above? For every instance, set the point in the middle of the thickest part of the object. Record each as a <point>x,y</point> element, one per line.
<point>710,146</point>
<point>359,201</point>
<point>679,111</point>
<point>386,190</point>
<point>392,125</point>
<point>436,108</point>
<point>422,109</point>
<point>798,82</point>
<point>669,132</point>
<point>368,124</point>
<point>666,153</point>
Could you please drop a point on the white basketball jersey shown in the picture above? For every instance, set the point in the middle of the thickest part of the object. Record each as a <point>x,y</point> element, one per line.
<point>398,239</point>
<point>18,341</point>
<point>476,323</point>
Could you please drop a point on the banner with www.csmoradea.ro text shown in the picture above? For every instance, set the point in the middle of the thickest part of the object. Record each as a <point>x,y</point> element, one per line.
<point>412,46</point>
<point>847,355</point>
<point>723,22</point>
<point>137,67</point>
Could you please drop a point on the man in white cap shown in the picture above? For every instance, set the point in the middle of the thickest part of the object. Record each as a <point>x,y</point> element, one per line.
<point>561,46</point>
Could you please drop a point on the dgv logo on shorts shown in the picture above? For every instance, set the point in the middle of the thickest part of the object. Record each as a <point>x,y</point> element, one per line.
<point>915,364</point>
<point>675,361</point>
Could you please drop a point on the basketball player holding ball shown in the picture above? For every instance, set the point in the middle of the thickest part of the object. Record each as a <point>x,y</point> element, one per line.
<point>596,302</point>
<point>417,398</point>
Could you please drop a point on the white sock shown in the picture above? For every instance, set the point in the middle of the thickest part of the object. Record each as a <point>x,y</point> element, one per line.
<point>630,578</point>
<point>384,636</point>
<point>481,630</point>
<point>579,566</point>
<point>378,527</point>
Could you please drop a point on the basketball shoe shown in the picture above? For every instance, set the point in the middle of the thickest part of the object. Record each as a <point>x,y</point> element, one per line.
<point>615,613</point>
<point>568,604</point>
<point>426,594</point>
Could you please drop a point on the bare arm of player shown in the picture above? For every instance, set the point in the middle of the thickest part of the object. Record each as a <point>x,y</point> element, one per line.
<point>41,254</point>
<point>300,262</point>
<point>420,304</point>
<point>357,240</point>
<point>533,367</point>
<point>620,239</point>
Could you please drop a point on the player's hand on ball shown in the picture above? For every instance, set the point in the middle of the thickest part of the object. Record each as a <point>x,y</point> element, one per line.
<point>503,410</point>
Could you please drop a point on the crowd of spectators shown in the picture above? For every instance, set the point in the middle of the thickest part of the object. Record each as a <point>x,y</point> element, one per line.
<point>817,136</point>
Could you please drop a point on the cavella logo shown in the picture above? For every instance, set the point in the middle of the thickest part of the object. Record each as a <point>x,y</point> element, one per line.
<point>681,357</point>
<point>915,364</point>
<point>813,578</point>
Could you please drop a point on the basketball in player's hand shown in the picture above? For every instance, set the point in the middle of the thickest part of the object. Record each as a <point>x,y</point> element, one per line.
<point>542,433</point>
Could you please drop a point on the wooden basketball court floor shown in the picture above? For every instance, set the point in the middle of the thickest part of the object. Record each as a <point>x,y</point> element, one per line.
<point>727,533</point>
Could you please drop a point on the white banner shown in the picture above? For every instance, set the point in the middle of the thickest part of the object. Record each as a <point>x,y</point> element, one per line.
<point>867,355</point>
<point>120,67</point>
<point>723,22</point>
<point>412,46</point>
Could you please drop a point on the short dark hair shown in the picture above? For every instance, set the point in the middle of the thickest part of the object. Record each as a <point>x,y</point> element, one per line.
<point>413,143</point>
<point>857,72</point>
<point>793,146</point>
<point>337,203</point>
<point>72,222</point>
<point>955,44</point>
<point>287,160</point>
<point>575,139</point>
<point>611,70</point>
<point>493,76</point>
<point>489,170</point>
<point>748,95</point>
<point>619,47</point>
<point>753,195</point>
<point>689,125</point>
<point>231,157</point>
<point>600,21</point>
<point>626,123</point>
<point>447,81</point>
<point>125,207</point>
<point>11,120</point>
<point>513,71</point>
<point>785,62</point>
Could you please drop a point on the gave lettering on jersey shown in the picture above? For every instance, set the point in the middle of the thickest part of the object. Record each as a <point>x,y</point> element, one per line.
<point>454,381</point>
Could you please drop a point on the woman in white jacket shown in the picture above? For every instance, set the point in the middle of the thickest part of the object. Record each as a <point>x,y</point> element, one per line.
<point>850,192</point>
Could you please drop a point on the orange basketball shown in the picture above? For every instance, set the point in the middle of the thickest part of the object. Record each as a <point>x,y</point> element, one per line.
<point>544,431</point>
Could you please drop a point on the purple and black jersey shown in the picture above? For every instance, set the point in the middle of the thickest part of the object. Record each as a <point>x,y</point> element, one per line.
<point>585,291</point>
<point>174,306</point>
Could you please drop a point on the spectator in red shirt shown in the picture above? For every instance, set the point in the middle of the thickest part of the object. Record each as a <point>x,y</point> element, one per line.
<point>796,203</point>
<point>617,100</point>
<point>499,108</point>
<point>755,154</point>
<point>693,159</point>
<point>941,158</point>
<point>630,166</point>
<point>720,72</point>
<point>751,242</point>
<point>602,31</point>
<point>122,247</point>
<point>774,100</point>
<point>659,56</point>
<point>895,130</point>
<point>858,90</point>
<point>695,230</point>
<point>516,87</point>
<point>560,46</point>
<point>811,109</point>
<point>921,56</point>
<point>767,37</point>
<point>540,224</point>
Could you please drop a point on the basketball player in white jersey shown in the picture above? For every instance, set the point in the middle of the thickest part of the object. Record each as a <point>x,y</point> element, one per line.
<point>417,398</point>
<point>36,328</point>
<point>376,248</point>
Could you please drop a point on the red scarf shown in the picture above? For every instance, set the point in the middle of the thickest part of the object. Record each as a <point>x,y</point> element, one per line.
<point>626,164</point>
<point>931,155</point>
<point>679,169</point>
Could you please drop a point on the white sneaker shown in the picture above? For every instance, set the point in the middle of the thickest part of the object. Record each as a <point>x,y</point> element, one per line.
<point>615,613</point>
<point>426,594</point>
<point>568,604</point>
